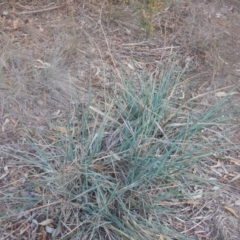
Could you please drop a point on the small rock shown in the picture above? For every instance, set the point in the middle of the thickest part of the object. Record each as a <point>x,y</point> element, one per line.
<point>49,229</point>
<point>5,12</point>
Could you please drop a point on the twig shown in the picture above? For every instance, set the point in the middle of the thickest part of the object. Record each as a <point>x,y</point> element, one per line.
<point>44,10</point>
<point>108,46</point>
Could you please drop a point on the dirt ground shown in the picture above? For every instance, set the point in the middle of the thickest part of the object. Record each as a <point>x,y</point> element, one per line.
<point>51,52</point>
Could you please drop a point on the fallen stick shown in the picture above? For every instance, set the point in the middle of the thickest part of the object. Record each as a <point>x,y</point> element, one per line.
<point>43,10</point>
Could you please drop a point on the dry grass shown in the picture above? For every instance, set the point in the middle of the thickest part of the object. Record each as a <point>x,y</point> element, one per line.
<point>57,62</point>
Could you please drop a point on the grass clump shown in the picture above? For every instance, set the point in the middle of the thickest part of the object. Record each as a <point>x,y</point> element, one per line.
<point>114,175</point>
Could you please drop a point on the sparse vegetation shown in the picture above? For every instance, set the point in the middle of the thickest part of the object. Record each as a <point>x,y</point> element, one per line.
<point>148,9</point>
<point>107,134</point>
